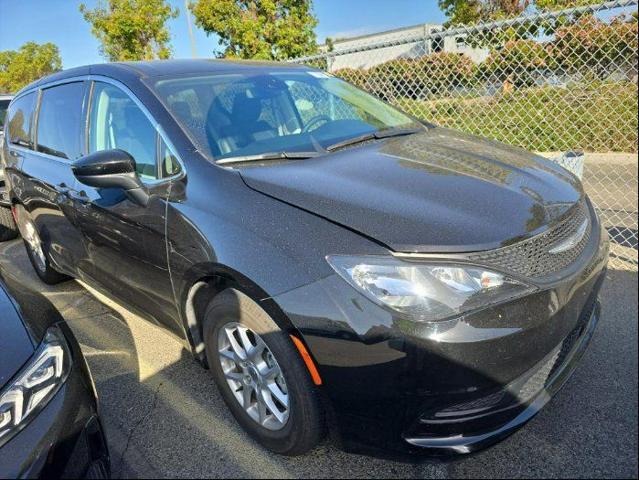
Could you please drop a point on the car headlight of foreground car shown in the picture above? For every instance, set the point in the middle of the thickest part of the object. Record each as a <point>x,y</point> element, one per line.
<point>427,292</point>
<point>34,386</point>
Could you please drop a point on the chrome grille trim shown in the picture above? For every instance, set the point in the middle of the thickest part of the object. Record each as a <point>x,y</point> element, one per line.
<point>532,258</point>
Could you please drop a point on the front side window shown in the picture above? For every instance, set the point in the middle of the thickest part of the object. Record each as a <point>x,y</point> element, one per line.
<point>20,120</point>
<point>60,121</point>
<point>116,121</point>
<point>169,164</point>
<point>251,114</point>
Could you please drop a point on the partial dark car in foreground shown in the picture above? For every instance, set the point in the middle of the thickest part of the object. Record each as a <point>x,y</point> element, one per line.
<point>8,229</point>
<point>49,425</point>
<point>338,265</point>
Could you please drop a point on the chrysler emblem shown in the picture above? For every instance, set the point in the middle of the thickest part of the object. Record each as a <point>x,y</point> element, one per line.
<point>572,241</point>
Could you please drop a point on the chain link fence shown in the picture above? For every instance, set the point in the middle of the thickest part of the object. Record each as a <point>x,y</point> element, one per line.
<point>560,83</point>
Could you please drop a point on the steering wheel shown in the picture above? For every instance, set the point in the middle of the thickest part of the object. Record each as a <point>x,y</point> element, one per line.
<point>314,120</point>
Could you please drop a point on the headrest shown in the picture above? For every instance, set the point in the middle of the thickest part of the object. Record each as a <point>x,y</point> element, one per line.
<point>246,109</point>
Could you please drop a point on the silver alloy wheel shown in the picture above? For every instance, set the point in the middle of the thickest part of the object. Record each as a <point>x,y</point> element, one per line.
<point>253,375</point>
<point>30,235</point>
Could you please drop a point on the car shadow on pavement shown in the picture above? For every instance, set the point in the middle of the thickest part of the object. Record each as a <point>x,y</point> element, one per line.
<point>164,416</point>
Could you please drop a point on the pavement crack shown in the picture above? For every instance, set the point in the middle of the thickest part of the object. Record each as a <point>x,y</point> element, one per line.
<point>132,432</point>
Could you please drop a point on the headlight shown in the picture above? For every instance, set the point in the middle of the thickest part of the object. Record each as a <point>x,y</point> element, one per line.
<point>426,292</point>
<point>33,387</point>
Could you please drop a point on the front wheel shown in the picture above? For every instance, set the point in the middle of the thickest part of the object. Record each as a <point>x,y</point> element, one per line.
<point>261,376</point>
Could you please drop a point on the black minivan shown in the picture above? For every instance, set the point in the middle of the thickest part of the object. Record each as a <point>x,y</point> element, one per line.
<point>338,265</point>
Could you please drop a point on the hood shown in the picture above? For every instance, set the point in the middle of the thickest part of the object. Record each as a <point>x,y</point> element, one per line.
<point>436,191</point>
<point>15,343</point>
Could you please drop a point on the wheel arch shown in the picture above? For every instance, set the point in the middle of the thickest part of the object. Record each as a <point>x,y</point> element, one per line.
<point>206,285</point>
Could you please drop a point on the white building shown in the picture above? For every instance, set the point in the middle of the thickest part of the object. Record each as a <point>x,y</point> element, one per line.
<point>424,44</point>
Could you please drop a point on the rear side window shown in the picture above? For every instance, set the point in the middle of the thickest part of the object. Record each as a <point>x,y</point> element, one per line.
<point>20,120</point>
<point>60,119</point>
<point>117,122</point>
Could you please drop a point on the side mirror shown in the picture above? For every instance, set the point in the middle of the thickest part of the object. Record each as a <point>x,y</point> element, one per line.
<point>111,169</point>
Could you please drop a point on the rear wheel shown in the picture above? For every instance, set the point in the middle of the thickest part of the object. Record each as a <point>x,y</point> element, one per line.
<point>35,249</point>
<point>8,229</point>
<point>261,376</point>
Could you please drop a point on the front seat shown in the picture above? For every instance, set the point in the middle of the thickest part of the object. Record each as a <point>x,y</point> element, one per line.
<point>245,121</point>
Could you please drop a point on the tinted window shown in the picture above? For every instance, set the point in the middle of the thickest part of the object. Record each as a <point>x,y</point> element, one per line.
<point>117,122</point>
<point>20,119</point>
<point>59,121</point>
<point>168,161</point>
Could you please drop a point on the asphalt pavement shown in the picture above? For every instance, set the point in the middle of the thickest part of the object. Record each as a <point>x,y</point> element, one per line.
<point>164,417</point>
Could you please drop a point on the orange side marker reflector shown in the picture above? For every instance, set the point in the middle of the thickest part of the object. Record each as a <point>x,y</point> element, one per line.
<point>317,380</point>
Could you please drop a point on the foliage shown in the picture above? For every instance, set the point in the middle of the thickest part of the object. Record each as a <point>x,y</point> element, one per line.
<point>30,62</point>
<point>357,76</point>
<point>330,44</point>
<point>593,45</point>
<point>516,61</point>
<point>413,78</point>
<point>553,5</point>
<point>602,116</point>
<point>585,46</point>
<point>131,29</point>
<point>470,12</point>
<point>467,12</point>
<point>266,29</point>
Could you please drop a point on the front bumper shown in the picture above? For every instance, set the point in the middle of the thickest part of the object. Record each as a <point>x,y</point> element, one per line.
<point>486,420</point>
<point>65,439</point>
<point>448,388</point>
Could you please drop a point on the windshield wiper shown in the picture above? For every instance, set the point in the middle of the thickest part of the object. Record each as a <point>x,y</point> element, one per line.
<point>385,133</point>
<point>268,156</point>
<point>285,155</point>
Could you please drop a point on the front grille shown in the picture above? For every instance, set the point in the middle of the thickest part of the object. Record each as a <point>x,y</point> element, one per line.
<point>481,403</point>
<point>532,257</point>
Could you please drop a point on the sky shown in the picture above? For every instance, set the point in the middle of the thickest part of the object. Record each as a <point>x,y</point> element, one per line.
<point>60,22</point>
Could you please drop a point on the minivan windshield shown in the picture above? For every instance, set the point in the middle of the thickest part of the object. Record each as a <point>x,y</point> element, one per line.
<point>278,114</point>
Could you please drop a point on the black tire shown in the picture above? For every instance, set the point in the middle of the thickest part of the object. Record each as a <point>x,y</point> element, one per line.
<point>8,228</point>
<point>48,275</point>
<point>305,425</point>
<point>45,271</point>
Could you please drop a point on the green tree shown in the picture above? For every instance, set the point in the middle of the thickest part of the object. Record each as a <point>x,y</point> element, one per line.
<point>516,62</point>
<point>30,62</point>
<point>595,46</point>
<point>264,29</point>
<point>552,5</point>
<point>131,29</point>
<point>467,12</point>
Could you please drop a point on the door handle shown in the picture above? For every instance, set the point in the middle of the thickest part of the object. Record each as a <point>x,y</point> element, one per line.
<point>62,189</point>
<point>61,192</point>
<point>80,197</point>
<point>15,154</point>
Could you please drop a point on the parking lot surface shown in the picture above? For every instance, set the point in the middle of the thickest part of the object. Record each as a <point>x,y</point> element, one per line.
<point>164,417</point>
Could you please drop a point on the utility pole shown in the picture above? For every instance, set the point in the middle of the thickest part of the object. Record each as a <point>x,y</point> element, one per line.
<point>187,12</point>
